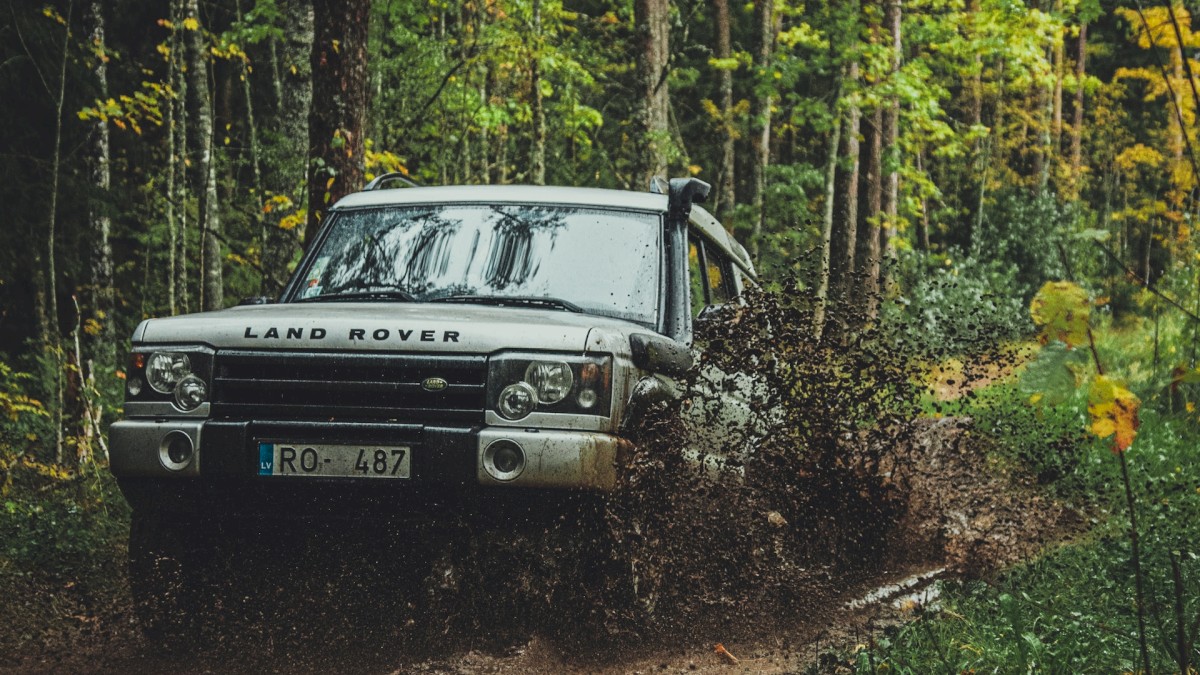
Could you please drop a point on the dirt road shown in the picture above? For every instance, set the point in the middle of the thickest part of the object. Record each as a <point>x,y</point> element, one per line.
<point>961,515</point>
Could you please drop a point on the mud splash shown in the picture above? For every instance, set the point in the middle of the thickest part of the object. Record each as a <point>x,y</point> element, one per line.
<point>832,481</point>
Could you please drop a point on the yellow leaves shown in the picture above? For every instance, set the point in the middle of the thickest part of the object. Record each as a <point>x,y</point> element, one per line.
<point>1113,410</point>
<point>191,23</point>
<point>293,220</point>
<point>1061,309</point>
<point>337,46</point>
<point>50,13</point>
<point>329,183</point>
<point>1139,155</point>
<point>163,49</point>
<point>385,161</point>
<point>92,327</point>
<point>277,201</point>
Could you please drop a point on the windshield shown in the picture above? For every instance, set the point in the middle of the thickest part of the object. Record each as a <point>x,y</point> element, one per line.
<point>598,261</point>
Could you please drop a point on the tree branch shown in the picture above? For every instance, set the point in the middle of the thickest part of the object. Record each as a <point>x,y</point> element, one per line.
<point>1145,283</point>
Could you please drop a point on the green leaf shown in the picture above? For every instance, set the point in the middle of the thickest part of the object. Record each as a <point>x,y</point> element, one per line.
<point>1049,376</point>
<point>1061,309</point>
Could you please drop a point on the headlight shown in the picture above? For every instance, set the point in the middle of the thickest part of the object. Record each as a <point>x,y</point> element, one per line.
<point>521,384</point>
<point>178,375</point>
<point>551,380</point>
<point>517,401</point>
<point>165,369</point>
<point>190,393</point>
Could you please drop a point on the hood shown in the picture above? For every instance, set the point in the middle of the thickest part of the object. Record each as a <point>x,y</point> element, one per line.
<point>413,327</point>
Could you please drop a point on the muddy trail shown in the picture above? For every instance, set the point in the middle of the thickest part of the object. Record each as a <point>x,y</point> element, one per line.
<point>827,512</point>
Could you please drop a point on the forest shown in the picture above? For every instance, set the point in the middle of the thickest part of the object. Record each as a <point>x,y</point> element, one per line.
<point>976,177</point>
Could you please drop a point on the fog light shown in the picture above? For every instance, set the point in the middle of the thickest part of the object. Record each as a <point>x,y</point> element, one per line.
<point>176,450</point>
<point>134,385</point>
<point>504,460</point>
<point>516,401</point>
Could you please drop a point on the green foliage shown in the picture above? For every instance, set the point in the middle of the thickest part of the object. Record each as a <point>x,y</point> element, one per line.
<point>23,421</point>
<point>961,305</point>
<point>1042,611</point>
<point>1024,231</point>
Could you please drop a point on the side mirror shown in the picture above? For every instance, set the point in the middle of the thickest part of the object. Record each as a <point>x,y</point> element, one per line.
<point>257,300</point>
<point>660,355</point>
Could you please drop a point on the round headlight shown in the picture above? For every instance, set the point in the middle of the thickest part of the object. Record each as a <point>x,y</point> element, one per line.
<point>516,401</point>
<point>164,370</point>
<point>190,393</point>
<point>551,380</point>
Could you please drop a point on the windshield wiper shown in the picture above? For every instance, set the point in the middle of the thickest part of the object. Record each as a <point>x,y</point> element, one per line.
<point>389,294</point>
<point>516,301</point>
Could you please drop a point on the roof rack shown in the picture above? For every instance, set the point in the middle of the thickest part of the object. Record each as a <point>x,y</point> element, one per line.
<point>378,182</point>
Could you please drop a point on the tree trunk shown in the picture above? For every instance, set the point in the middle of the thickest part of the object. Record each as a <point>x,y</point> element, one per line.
<point>209,213</point>
<point>181,149</point>
<point>99,223</point>
<point>1059,66</point>
<point>537,152</point>
<point>339,94</point>
<point>287,175</point>
<point>726,197</point>
<point>831,163</point>
<point>760,116</point>
<point>891,151</point>
<point>54,342</point>
<point>867,263</point>
<point>651,19</point>
<point>845,235</point>
<point>923,221</point>
<point>1077,121</point>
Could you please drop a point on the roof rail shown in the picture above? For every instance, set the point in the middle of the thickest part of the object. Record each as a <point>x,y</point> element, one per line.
<point>378,182</point>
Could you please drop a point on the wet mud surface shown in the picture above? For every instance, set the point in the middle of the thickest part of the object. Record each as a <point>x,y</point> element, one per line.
<point>819,516</point>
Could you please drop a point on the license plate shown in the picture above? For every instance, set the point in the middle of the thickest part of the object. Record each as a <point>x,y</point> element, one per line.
<point>347,461</point>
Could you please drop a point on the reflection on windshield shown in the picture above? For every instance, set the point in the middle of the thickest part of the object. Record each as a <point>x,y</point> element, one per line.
<point>607,262</point>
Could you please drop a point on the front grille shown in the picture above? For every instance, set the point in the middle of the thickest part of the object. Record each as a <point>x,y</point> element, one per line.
<point>270,385</point>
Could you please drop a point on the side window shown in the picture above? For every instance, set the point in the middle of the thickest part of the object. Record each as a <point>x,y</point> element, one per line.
<point>719,276</point>
<point>695,265</point>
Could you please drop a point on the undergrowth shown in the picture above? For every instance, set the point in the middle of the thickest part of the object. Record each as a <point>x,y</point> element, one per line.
<point>1074,609</point>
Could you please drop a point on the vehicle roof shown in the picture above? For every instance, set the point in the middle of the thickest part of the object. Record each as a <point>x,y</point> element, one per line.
<point>539,194</point>
<point>517,194</point>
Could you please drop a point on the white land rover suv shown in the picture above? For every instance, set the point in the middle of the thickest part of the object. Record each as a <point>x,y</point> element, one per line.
<point>436,348</point>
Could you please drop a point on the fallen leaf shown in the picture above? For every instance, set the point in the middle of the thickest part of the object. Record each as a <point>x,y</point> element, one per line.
<point>721,651</point>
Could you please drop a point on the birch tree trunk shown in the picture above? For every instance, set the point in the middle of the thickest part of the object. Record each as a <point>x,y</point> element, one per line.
<point>338,112</point>
<point>288,173</point>
<point>725,198</point>
<point>760,116</point>
<point>537,152</point>
<point>99,223</point>
<point>651,21</point>
<point>867,263</point>
<point>891,150</point>
<point>181,150</point>
<point>831,163</point>
<point>209,215</point>
<point>845,234</point>
<point>1077,120</point>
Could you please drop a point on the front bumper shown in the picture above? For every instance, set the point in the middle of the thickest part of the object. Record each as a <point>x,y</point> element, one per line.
<point>228,451</point>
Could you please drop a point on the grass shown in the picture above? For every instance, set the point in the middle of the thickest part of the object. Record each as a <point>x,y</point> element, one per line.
<point>62,554</point>
<point>1073,609</point>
